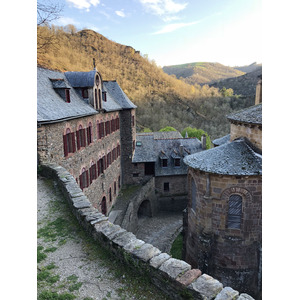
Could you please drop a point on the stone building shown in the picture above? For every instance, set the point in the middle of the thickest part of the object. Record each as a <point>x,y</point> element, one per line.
<point>86,125</point>
<point>222,224</point>
<point>161,154</point>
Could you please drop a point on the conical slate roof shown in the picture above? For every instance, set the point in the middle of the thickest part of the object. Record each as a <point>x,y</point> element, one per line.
<point>235,158</point>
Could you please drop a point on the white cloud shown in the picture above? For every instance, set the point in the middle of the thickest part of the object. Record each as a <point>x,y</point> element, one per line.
<point>84,4</point>
<point>172,27</point>
<point>120,13</point>
<point>66,21</point>
<point>163,7</point>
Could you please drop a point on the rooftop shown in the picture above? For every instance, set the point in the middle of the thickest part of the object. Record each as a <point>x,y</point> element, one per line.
<point>234,158</point>
<point>222,140</point>
<point>250,115</point>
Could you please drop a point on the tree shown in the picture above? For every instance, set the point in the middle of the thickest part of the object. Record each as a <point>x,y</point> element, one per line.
<point>194,132</point>
<point>48,11</point>
<point>167,128</point>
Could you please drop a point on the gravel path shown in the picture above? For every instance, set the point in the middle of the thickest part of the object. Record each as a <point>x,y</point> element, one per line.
<point>74,264</point>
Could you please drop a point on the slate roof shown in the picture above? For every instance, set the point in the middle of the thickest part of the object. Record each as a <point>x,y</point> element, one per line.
<point>234,158</point>
<point>81,79</point>
<point>250,115</point>
<point>117,95</point>
<point>222,140</point>
<point>166,135</point>
<point>50,106</point>
<point>151,151</point>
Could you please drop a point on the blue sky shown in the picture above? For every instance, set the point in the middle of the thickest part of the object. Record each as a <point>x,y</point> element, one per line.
<point>175,31</point>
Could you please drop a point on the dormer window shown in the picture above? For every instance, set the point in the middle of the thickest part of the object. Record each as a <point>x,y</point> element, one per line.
<point>96,100</point>
<point>67,94</point>
<point>104,96</point>
<point>164,163</point>
<point>85,93</point>
<point>177,162</point>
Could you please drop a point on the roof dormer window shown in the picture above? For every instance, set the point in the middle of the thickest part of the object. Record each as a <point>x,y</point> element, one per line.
<point>104,96</point>
<point>85,93</point>
<point>67,94</point>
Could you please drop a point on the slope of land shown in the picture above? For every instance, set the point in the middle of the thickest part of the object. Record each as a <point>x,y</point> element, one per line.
<point>162,100</point>
<point>244,85</point>
<point>250,68</point>
<point>201,72</point>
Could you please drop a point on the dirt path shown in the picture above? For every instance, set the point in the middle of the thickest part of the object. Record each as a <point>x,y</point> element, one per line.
<point>71,265</point>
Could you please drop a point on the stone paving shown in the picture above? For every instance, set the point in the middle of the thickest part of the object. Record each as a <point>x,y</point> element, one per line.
<point>160,230</point>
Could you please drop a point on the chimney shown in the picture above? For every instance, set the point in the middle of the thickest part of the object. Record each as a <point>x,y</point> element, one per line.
<point>203,142</point>
<point>181,150</point>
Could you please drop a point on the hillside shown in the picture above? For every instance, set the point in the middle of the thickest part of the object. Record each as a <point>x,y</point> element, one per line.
<point>244,85</point>
<point>202,72</point>
<point>250,68</point>
<point>162,100</point>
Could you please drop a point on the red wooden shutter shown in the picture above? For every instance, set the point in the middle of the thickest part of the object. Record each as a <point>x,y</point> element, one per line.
<point>65,145</point>
<point>84,138</point>
<point>73,142</point>
<point>80,181</point>
<point>78,139</point>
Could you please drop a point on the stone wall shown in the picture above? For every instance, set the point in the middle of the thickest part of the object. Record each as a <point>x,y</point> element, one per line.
<point>252,132</point>
<point>175,277</point>
<point>128,138</point>
<point>230,255</point>
<point>51,150</point>
<point>174,199</point>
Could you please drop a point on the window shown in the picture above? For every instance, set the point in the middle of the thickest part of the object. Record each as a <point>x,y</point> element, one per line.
<point>102,130</point>
<point>69,142</point>
<point>85,93</point>
<point>234,215</point>
<point>119,182</point>
<point>99,98</point>
<point>104,96</point>
<point>115,188</point>
<point>100,166</point>
<point>117,123</point>
<point>89,134</point>
<point>166,186</point>
<point>97,80</point>
<point>96,100</point>
<point>133,145</point>
<point>177,162</point>
<point>110,198</point>
<point>164,162</point>
<point>80,136</point>
<point>84,179</point>
<point>93,173</point>
<point>132,121</point>
<point>107,128</point>
<point>67,93</point>
<point>98,130</point>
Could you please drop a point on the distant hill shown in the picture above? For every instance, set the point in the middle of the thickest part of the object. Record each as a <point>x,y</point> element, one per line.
<point>250,68</point>
<point>244,85</point>
<point>202,72</point>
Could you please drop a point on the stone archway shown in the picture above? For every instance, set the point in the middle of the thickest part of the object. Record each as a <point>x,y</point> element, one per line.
<point>144,209</point>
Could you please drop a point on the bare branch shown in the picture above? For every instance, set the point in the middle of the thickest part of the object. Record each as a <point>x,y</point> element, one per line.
<point>48,11</point>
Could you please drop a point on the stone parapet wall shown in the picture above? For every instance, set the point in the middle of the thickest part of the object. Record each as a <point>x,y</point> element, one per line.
<point>175,277</point>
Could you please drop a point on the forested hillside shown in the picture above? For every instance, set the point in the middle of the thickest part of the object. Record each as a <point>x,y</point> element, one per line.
<point>162,99</point>
<point>202,72</point>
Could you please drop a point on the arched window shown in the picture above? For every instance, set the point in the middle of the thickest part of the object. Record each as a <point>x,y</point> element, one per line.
<point>89,133</point>
<point>96,100</point>
<point>110,196</point>
<point>194,194</point>
<point>234,215</point>
<point>80,135</point>
<point>84,178</point>
<point>69,142</point>
<point>103,206</point>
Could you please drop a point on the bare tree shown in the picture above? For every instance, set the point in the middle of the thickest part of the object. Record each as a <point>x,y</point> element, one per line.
<point>48,11</point>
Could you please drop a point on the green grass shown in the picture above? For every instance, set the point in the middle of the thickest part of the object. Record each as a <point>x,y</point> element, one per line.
<point>176,250</point>
<point>49,295</point>
<point>40,255</point>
